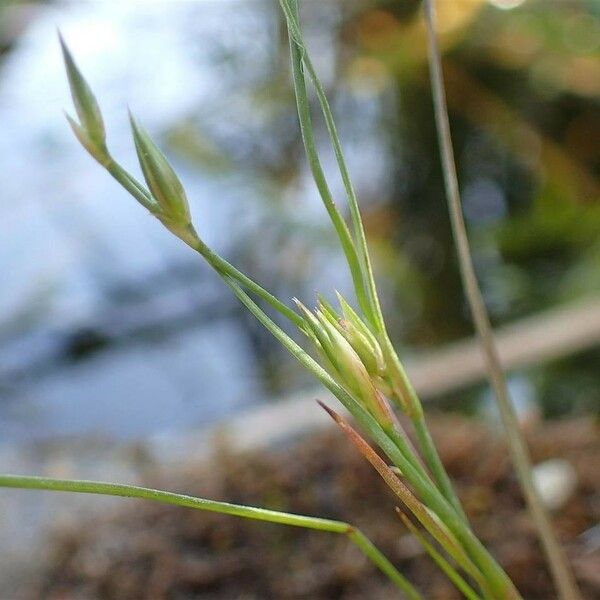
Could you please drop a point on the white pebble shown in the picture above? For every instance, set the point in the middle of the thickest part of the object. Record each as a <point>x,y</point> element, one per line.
<point>556,481</point>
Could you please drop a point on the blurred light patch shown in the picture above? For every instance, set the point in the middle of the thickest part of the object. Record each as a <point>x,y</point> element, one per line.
<point>506,4</point>
<point>368,76</point>
<point>378,30</point>
<point>483,201</point>
<point>582,34</point>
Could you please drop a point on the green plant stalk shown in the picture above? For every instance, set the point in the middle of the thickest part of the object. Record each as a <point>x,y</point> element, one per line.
<point>312,155</point>
<point>430,495</point>
<point>295,33</point>
<point>561,572</point>
<point>413,404</point>
<point>442,563</point>
<point>414,409</point>
<point>246,512</point>
<point>434,462</point>
<point>222,266</point>
<point>189,236</point>
<point>132,185</point>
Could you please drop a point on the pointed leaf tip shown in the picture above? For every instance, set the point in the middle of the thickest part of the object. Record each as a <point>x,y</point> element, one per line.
<point>335,416</point>
<point>84,100</point>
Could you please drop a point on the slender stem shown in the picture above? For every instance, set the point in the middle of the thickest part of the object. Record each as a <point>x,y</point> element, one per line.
<point>442,563</point>
<point>312,155</point>
<point>189,236</point>
<point>432,458</point>
<point>436,529</point>
<point>246,512</point>
<point>295,32</point>
<point>134,187</point>
<point>407,395</point>
<point>225,268</point>
<point>363,542</point>
<point>561,572</point>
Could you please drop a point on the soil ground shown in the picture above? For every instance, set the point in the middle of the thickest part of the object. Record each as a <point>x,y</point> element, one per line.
<point>150,551</point>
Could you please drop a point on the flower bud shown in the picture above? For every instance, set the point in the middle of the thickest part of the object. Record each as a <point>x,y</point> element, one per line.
<point>161,179</point>
<point>362,339</point>
<point>91,131</point>
<point>342,361</point>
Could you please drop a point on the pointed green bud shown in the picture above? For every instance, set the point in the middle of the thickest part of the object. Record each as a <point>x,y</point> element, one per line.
<point>86,106</point>
<point>348,363</point>
<point>361,345</point>
<point>319,338</point>
<point>342,362</point>
<point>316,330</point>
<point>361,338</point>
<point>161,179</point>
<point>328,310</point>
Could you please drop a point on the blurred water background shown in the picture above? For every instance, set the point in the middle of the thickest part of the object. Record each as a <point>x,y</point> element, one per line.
<point>109,327</point>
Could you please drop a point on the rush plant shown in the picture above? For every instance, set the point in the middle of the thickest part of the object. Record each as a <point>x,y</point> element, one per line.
<point>352,354</point>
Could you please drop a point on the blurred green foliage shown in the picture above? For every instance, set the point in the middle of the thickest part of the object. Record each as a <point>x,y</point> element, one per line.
<point>523,87</point>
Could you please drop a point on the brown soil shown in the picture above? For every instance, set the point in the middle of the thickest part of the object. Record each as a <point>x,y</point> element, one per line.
<point>150,551</point>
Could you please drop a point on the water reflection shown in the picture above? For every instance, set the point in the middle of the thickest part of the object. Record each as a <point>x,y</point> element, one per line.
<point>109,325</point>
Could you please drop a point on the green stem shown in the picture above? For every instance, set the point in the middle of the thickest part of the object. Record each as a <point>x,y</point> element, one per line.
<point>430,453</point>
<point>225,268</point>
<point>432,458</point>
<point>312,155</point>
<point>363,542</point>
<point>442,563</point>
<point>413,407</point>
<point>191,238</point>
<point>295,32</point>
<point>246,512</point>
<point>134,187</point>
<point>561,572</point>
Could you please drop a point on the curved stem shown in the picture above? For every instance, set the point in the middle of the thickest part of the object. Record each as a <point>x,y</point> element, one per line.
<point>413,403</point>
<point>237,510</point>
<point>561,572</point>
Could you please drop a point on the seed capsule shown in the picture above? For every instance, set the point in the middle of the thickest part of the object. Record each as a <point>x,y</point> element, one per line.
<point>90,132</point>
<point>161,178</point>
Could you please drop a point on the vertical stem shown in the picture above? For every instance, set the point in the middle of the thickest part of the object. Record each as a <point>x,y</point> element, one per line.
<point>314,163</point>
<point>561,572</point>
<point>432,458</point>
<point>360,239</point>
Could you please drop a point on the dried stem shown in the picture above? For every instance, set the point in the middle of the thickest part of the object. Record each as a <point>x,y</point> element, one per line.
<point>556,559</point>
